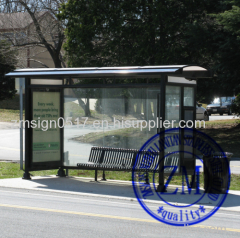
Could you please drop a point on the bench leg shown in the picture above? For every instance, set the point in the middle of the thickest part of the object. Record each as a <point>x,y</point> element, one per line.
<point>96,175</point>
<point>61,172</point>
<point>147,178</point>
<point>103,176</point>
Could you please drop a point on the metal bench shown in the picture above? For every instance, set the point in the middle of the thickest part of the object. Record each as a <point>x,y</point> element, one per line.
<point>118,159</point>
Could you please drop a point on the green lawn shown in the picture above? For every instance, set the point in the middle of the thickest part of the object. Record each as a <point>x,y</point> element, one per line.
<point>226,133</point>
<point>7,115</point>
<point>11,170</point>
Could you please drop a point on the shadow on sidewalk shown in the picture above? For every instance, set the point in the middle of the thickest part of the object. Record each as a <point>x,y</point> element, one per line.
<point>124,189</point>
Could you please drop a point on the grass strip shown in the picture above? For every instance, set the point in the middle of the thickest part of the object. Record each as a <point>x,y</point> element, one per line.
<point>11,170</point>
<point>222,123</point>
<point>7,115</point>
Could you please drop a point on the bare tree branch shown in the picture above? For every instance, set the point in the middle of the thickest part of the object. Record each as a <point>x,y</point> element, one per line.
<point>40,24</point>
<point>39,62</point>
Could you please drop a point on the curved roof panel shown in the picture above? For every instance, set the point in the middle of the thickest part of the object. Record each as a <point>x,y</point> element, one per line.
<point>191,72</point>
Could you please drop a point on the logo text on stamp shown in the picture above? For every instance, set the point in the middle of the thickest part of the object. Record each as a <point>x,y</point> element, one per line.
<point>181,151</point>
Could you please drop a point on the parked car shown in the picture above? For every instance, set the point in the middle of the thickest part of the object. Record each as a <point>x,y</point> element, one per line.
<point>201,113</point>
<point>172,112</point>
<point>221,105</point>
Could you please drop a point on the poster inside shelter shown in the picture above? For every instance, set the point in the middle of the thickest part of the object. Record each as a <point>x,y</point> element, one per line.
<point>46,132</point>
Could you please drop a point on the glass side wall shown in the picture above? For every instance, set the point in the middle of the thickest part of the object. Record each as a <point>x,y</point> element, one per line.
<point>172,114</point>
<point>172,108</point>
<point>188,96</point>
<point>107,117</point>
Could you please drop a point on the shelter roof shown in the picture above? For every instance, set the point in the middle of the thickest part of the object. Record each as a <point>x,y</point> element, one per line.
<point>189,72</point>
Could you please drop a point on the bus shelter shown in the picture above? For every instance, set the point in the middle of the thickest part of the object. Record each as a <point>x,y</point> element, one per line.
<point>69,110</point>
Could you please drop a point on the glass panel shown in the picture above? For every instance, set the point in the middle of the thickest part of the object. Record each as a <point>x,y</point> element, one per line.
<point>188,96</point>
<point>188,118</point>
<point>172,113</point>
<point>180,80</point>
<point>172,106</point>
<point>47,81</point>
<point>107,117</point>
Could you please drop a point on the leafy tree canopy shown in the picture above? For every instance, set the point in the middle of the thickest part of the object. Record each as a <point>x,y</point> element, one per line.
<point>7,62</point>
<point>133,32</point>
<point>154,32</point>
<point>227,64</point>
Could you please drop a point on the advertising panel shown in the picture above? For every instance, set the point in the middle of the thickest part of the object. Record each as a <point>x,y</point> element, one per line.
<point>45,127</point>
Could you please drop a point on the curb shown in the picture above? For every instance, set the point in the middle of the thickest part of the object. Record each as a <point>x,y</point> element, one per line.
<point>234,209</point>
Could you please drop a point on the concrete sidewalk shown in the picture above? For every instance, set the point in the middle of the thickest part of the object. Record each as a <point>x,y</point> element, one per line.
<point>112,189</point>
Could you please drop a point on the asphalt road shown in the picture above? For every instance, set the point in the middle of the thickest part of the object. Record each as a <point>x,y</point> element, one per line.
<point>10,144</point>
<point>26,213</point>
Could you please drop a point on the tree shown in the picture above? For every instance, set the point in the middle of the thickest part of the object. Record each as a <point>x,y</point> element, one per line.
<point>34,28</point>
<point>229,46</point>
<point>236,105</point>
<point>218,34</point>
<point>110,33</point>
<point>137,32</point>
<point>7,63</point>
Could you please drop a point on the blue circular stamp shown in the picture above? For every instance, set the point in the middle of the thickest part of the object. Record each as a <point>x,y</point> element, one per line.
<point>175,160</point>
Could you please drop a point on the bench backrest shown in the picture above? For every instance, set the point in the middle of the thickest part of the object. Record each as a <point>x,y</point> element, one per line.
<point>150,161</point>
<point>96,154</point>
<point>125,158</point>
<point>119,157</point>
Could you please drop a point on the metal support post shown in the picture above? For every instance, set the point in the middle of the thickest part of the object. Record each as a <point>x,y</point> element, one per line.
<point>161,186</point>
<point>21,121</point>
<point>26,175</point>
